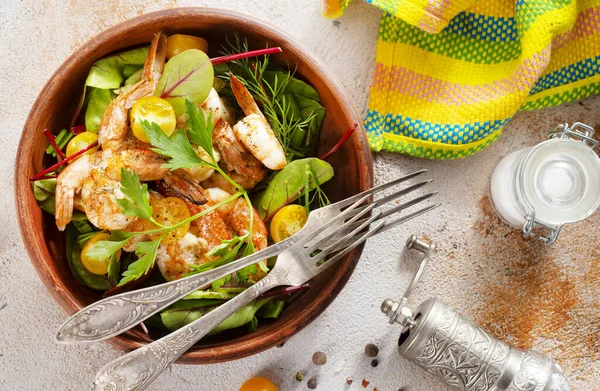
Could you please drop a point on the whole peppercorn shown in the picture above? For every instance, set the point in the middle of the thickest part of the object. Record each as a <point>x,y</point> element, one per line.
<point>349,380</point>
<point>374,363</point>
<point>312,383</point>
<point>299,376</point>
<point>371,350</point>
<point>319,358</point>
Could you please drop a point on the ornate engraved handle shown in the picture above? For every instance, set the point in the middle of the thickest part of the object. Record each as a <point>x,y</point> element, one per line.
<point>136,370</point>
<point>111,316</point>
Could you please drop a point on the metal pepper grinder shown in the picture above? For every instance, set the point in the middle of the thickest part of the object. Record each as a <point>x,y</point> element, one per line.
<point>460,353</point>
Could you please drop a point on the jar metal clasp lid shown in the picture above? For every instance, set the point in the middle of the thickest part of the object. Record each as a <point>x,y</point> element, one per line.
<point>576,132</point>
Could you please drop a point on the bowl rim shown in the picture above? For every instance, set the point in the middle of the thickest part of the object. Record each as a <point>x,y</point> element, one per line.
<point>38,251</point>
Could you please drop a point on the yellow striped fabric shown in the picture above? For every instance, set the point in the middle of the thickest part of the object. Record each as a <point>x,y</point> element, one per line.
<point>449,74</point>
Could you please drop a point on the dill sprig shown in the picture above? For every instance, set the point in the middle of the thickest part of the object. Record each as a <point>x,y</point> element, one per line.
<point>270,95</point>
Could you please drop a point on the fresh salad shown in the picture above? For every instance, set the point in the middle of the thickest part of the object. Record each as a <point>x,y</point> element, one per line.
<point>176,163</point>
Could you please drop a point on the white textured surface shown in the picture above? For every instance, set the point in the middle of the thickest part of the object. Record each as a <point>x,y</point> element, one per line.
<point>481,263</point>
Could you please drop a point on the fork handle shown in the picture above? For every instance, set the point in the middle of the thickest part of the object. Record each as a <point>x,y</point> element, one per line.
<point>113,315</point>
<point>136,370</point>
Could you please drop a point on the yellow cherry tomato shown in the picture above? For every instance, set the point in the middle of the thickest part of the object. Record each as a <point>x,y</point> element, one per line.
<point>152,109</point>
<point>166,211</point>
<point>258,384</point>
<point>91,264</point>
<point>178,43</point>
<point>287,221</point>
<point>82,141</point>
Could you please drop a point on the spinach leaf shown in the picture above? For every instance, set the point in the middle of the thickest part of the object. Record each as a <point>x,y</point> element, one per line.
<point>109,72</point>
<point>98,101</point>
<point>71,235</point>
<point>184,312</point>
<point>218,294</point>
<point>188,75</point>
<point>241,317</point>
<point>93,281</point>
<point>288,184</point>
<point>271,310</point>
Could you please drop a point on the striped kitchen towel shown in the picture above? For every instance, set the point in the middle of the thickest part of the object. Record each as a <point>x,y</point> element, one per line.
<point>449,74</point>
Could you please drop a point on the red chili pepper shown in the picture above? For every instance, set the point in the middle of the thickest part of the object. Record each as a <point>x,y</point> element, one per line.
<point>239,56</point>
<point>52,140</point>
<point>341,142</point>
<point>42,174</point>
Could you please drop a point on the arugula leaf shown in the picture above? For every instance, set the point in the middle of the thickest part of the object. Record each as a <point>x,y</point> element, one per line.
<point>137,201</point>
<point>147,252</point>
<point>177,147</point>
<point>200,130</point>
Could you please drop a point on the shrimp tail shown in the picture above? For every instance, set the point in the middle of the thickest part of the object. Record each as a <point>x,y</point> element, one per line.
<point>244,97</point>
<point>174,185</point>
<point>64,207</point>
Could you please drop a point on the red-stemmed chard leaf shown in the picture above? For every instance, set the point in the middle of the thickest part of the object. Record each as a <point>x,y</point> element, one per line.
<point>187,76</point>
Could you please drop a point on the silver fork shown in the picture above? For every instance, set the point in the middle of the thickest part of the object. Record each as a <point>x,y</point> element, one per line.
<point>296,265</point>
<point>113,315</point>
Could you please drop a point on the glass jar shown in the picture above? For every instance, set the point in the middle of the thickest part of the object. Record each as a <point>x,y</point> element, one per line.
<point>550,184</point>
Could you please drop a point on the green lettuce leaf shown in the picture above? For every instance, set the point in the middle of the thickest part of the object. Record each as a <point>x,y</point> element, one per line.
<point>184,312</point>
<point>110,72</point>
<point>98,100</point>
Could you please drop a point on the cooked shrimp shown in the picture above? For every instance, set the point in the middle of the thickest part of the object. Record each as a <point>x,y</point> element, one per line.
<point>68,184</point>
<point>113,125</point>
<point>102,188</point>
<point>236,158</point>
<point>236,215</point>
<point>219,108</point>
<point>205,233</point>
<point>200,172</point>
<point>254,130</point>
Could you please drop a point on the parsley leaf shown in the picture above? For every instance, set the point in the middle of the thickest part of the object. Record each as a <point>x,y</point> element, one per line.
<point>136,201</point>
<point>200,130</point>
<point>177,147</point>
<point>147,252</point>
<point>105,249</point>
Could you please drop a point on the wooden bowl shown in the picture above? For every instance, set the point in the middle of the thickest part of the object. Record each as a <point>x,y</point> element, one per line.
<point>55,106</point>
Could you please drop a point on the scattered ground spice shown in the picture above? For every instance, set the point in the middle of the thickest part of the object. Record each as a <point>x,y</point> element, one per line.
<point>557,299</point>
<point>365,383</point>
<point>371,350</point>
<point>319,358</point>
<point>312,383</point>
